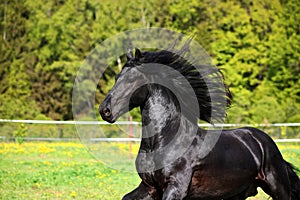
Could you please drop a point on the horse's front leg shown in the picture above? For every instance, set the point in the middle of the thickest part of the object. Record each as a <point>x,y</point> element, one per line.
<point>142,192</point>
<point>178,186</point>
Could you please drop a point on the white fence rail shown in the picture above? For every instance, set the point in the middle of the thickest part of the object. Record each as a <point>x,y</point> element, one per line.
<point>65,122</point>
<point>136,123</point>
<point>3,138</point>
<point>282,126</point>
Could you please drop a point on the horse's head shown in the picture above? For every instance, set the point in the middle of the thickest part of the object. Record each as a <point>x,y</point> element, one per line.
<point>192,84</point>
<point>129,91</point>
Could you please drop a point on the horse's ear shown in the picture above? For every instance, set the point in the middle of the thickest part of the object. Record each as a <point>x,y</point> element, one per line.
<point>129,54</point>
<point>138,54</point>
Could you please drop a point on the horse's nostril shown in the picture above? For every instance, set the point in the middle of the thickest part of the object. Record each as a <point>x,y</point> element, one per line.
<point>106,112</point>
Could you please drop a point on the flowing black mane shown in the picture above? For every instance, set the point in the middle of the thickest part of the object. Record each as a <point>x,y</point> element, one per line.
<point>207,81</point>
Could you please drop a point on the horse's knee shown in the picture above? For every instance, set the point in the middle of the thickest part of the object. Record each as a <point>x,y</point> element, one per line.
<point>138,197</point>
<point>126,197</point>
<point>174,191</point>
<point>142,192</point>
<point>130,196</point>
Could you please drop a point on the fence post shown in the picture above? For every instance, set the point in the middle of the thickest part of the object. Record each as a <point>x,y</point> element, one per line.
<point>283,131</point>
<point>60,133</point>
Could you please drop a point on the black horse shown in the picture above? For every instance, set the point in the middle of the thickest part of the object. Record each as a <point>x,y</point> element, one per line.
<point>232,168</point>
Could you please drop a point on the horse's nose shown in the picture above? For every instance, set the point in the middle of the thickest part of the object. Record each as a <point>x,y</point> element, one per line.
<point>106,112</point>
<point>105,109</point>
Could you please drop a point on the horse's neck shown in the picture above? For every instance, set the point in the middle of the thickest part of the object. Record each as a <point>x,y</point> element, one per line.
<point>161,118</point>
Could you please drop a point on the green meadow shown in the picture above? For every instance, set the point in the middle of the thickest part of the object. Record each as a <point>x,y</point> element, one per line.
<point>67,170</point>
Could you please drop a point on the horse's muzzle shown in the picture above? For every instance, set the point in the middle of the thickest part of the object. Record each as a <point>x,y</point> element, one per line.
<point>105,110</point>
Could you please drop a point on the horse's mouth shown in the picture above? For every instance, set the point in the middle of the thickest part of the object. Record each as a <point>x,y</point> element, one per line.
<point>108,115</point>
<point>111,121</point>
<point>110,110</point>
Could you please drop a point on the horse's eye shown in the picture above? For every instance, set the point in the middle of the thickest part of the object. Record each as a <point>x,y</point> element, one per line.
<point>130,64</point>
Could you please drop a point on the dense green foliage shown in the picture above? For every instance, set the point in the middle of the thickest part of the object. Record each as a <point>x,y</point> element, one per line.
<point>256,43</point>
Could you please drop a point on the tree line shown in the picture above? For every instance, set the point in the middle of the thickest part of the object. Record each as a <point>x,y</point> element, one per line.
<point>254,42</point>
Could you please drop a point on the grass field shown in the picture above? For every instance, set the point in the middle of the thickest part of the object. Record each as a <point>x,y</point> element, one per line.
<point>41,170</point>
